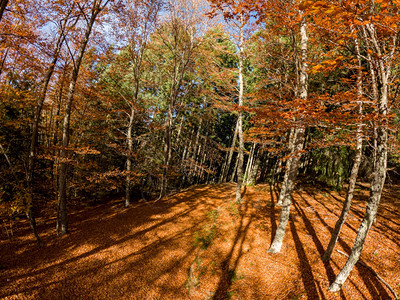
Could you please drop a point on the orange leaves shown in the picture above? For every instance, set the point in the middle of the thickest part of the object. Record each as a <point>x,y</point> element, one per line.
<point>328,65</point>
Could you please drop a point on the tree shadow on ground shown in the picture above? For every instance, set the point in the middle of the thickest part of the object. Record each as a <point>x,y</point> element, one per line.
<point>374,286</point>
<point>231,261</point>
<point>141,235</point>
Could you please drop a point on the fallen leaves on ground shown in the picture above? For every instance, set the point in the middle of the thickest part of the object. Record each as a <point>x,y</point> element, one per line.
<point>148,250</point>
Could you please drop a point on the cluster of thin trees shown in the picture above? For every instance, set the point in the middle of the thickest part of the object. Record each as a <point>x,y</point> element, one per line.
<point>149,96</point>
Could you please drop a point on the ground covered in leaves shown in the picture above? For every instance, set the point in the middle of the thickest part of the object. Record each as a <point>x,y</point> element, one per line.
<point>198,244</point>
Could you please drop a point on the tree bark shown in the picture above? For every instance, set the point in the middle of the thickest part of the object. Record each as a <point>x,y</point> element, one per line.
<point>370,214</point>
<point>383,65</point>
<point>292,141</point>
<point>299,136</point>
<point>240,115</point>
<point>249,164</point>
<point>129,159</point>
<point>287,200</point>
<point>167,152</point>
<point>354,171</point>
<point>234,173</point>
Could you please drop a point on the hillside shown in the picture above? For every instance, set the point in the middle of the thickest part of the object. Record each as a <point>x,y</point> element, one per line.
<point>152,250</point>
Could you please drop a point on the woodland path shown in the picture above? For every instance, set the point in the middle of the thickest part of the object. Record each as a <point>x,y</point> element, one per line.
<point>145,251</point>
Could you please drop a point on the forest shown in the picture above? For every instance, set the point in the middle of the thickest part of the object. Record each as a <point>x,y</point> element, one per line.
<point>193,149</point>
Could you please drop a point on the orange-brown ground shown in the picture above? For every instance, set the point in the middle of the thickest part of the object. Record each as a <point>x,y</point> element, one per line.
<point>146,251</point>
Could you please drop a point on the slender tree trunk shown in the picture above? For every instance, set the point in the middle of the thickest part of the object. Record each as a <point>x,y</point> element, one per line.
<point>223,167</point>
<point>235,169</point>
<point>35,129</point>
<point>370,214</point>
<point>384,68</point>
<point>276,170</point>
<point>196,147</point>
<point>181,62</point>
<point>129,159</point>
<point>249,163</point>
<point>167,152</point>
<point>178,135</point>
<point>252,177</point>
<point>231,150</point>
<point>354,171</point>
<point>299,143</point>
<point>40,101</point>
<point>62,194</point>
<point>292,141</point>
<point>240,116</point>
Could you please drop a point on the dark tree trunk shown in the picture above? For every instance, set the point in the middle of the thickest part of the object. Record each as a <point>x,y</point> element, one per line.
<point>62,194</point>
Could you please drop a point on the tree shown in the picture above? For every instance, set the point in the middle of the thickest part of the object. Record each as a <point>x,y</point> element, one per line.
<point>96,7</point>
<point>138,20</point>
<point>379,36</point>
<point>180,33</point>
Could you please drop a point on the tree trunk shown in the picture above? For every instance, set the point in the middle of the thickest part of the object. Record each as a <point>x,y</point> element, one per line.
<point>383,65</point>
<point>254,169</point>
<point>287,200</point>
<point>35,128</point>
<point>62,195</point>
<point>167,152</point>
<point>292,141</point>
<point>299,136</point>
<point>240,116</point>
<point>249,163</point>
<point>129,159</point>
<point>235,169</point>
<point>231,150</point>
<point>370,214</point>
<point>196,148</point>
<point>354,171</point>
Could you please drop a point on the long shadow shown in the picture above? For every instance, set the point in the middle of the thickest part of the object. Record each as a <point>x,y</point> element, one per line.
<point>341,242</point>
<point>340,206</point>
<point>306,271</point>
<point>329,271</point>
<point>374,286</point>
<point>228,272</point>
<point>107,244</point>
<point>99,217</point>
<point>121,224</point>
<point>383,228</point>
<point>151,250</point>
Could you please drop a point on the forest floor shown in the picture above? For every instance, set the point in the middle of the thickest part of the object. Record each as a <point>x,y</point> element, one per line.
<point>151,250</point>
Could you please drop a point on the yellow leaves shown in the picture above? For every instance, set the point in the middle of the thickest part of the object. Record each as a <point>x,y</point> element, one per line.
<point>86,150</point>
<point>317,68</point>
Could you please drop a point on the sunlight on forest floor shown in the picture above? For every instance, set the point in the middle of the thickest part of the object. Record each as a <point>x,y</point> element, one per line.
<point>148,250</point>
